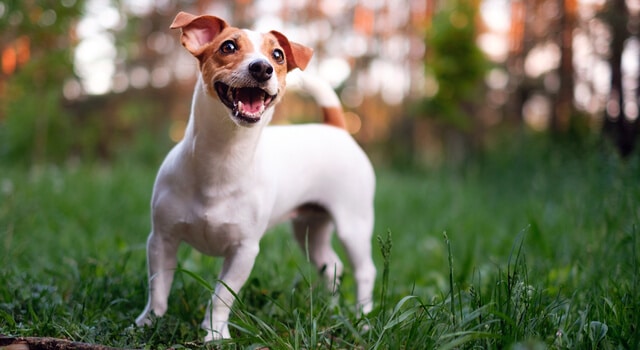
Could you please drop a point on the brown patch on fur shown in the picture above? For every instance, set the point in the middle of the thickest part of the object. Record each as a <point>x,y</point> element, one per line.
<point>334,116</point>
<point>297,55</point>
<point>204,35</point>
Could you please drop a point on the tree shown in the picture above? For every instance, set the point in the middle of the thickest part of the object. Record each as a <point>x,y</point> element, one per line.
<point>562,113</point>
<point>617,123</point>
<point>454,64</point>
<point>454,71</point>
<point>36,43</point>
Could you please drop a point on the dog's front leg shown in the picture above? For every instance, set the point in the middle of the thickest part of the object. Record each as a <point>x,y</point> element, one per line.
<point>161,262</point>
<point>236,269</point>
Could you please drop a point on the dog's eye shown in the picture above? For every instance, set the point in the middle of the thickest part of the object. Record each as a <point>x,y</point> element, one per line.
<point>278,55</point>
<point>228,47</point>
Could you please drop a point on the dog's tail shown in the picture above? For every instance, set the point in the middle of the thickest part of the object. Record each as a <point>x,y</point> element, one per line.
<point>325,96</point>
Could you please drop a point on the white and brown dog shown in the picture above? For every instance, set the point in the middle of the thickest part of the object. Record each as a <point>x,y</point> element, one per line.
<point>231,177</point>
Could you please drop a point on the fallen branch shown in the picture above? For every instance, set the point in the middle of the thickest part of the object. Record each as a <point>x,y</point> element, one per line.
<point>46,343</point>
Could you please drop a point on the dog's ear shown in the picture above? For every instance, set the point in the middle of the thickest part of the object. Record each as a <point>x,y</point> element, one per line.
<point>298,56</point>
<point>197,31</point>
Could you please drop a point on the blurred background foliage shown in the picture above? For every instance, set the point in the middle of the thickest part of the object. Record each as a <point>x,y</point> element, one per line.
<point>423,81</point>
<point>456,64</point>
<point>37,56</point>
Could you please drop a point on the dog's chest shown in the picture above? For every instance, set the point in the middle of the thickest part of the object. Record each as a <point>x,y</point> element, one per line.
<point>213,225</point>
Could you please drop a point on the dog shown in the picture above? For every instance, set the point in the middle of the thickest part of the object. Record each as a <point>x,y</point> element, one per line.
<point>232,177</point>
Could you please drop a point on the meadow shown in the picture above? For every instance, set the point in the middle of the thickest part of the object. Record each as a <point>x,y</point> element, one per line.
<point>531,245</point>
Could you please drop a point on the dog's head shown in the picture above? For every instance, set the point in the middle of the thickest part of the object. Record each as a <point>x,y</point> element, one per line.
<point>243,69</point>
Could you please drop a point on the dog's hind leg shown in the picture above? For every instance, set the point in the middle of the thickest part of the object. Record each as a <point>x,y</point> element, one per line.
<point>313,228</point>
<point>161,262</point>
<point>354,232</point>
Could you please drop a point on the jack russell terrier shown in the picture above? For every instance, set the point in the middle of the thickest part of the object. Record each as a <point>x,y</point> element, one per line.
<point>232,177</point>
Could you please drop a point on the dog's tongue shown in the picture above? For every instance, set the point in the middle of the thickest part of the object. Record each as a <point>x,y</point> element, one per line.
<point>252,100</point>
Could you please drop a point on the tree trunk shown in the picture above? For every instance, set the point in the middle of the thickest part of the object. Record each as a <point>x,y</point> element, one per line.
<point>616,124</point>
<point>518,49</point>
<point>563,109</point>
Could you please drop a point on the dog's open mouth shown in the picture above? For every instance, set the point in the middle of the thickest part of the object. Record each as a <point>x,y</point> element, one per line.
<point>247,104</point>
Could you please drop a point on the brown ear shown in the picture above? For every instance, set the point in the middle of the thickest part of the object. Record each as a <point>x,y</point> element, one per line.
<point>297,55</point>
<point>197,31</point>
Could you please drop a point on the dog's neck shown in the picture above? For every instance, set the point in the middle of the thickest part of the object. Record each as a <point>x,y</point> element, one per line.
<point>217,147</point>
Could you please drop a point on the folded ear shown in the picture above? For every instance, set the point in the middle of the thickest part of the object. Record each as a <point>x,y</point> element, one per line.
<point>297,55</point>
<point>197,31</point>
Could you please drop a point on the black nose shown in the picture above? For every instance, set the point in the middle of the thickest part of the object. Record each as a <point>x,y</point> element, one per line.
<point>260,70</point>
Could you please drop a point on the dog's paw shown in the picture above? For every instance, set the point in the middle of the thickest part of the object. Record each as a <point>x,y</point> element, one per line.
<point>217,334</point>
<point>211,336</point>
<point>144,320</point>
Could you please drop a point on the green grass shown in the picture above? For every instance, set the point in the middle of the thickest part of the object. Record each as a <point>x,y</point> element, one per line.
<point>530,246</point>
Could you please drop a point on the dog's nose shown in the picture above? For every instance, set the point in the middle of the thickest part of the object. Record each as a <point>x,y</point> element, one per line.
<point>261,70</point>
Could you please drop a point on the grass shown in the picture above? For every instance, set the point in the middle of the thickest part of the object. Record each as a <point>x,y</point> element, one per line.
<point>526,247</point>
